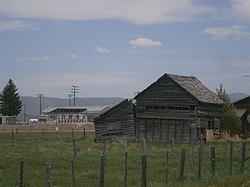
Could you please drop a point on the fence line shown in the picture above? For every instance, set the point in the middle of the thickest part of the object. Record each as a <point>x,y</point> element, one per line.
<point>144,162</point>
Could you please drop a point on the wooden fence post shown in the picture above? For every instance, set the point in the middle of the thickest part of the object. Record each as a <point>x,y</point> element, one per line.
<point>43,132</point>
<point>74,147</point>
<point>201,146</point>
<point>21,182</point>
<point>231,159</point>
<point>12,135</point>
<point>199,163</point>
<point>182,164</point>
<point>193,140</point>
<point>72,172</point>
<point>36,147</point>
<point>126,163</point>
<point>172,149</point>
<point>102,171</point>
<point>212,160</point>
<point>72,133</point>
<point>166,166</point>
<point>84,134</point>
<point>144,164</point>
<point>243,157</point>
<point>48,175</point>
<point>61,147</point>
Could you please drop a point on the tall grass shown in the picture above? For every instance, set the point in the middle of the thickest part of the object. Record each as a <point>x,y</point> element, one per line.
<point>35,149</point>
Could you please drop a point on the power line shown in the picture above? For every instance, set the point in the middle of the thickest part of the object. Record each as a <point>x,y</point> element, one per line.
<point>74,90</point>
<point>40,101</point>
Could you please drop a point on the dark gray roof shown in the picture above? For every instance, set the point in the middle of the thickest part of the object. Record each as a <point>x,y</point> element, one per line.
<point>194,86</point>
<point>51,109</point>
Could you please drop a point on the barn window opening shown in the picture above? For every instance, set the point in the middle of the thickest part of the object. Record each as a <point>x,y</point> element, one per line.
<point>171,108</point>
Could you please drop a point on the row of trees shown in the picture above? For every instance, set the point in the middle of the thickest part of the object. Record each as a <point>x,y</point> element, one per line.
<point>11,105</point>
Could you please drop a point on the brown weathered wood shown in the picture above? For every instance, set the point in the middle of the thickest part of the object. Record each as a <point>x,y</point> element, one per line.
<point>72,172</point>
<point>212,160</point>
<point>21,180</point>
<point>178,100</point>
<point>102,171</point>
<point>199,162</point>
<point>243,157</point>
<point>74,147</point>
<point>231,159</point>
<point>182,164</point>
<point>166,166</point>
<point>48,182</point>
<point>125,163</point>
<point>144,170</point>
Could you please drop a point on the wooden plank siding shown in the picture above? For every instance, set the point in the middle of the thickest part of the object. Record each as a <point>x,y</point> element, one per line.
<point>116,123</point>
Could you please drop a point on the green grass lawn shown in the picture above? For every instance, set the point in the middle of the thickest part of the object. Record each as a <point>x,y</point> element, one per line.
<point>37,149</point>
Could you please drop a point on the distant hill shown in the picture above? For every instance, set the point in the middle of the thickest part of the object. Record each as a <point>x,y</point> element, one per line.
<point>237,96</point>
<point>32,104</point>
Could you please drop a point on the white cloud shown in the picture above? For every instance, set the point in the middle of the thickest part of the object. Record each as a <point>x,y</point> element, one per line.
<point>136,11</point>
<point>35,58</point>
<point>102,50</point>
<point>240,8</point>
<point>16,25</point>
<point>144,42</point>
<point>74,56</point>
<point>234,31</point>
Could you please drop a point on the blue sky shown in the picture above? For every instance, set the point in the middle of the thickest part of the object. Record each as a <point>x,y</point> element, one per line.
<point>117,47</point>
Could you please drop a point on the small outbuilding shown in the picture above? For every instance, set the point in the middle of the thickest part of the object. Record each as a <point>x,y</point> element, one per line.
<point>116,123</point>
<point>243,112</point>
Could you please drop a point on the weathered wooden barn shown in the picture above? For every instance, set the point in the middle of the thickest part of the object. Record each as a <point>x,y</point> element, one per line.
<point>178,107</point>
<point>174,107</point>
<point>116,123</point>
<point>243,112</point>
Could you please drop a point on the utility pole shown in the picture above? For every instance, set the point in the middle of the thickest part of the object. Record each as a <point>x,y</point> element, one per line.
<point>70,97</point>
<point>40,101</point>
<point>74,90</point>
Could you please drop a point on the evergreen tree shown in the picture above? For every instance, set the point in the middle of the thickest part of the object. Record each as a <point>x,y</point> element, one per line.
<point>10,101</point>
<point>229,122</point>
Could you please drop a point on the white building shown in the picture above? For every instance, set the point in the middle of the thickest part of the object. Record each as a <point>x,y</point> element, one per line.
<point>62,115</point>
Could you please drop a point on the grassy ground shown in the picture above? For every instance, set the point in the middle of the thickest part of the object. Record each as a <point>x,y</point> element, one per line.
<point>36,149</point>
